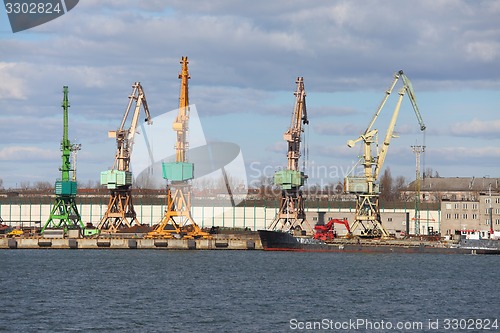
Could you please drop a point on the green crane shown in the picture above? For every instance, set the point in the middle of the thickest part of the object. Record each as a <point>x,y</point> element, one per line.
<point>64,214</point>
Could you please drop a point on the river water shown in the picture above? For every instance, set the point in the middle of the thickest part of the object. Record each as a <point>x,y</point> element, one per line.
<point>246,291</point>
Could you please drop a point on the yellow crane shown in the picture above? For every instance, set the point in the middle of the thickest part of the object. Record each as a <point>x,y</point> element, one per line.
<point>177,221</point>
<point>120,212</point>
<point>366,187</point>
<point>291,214</point>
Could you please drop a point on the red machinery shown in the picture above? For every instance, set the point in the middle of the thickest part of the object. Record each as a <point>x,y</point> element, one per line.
<point>327,232</point>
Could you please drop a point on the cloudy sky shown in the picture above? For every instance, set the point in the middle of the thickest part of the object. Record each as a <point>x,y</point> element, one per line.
<point>244,60</point>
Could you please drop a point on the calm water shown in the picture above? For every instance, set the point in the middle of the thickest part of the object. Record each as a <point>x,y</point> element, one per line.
<point>241,291</point>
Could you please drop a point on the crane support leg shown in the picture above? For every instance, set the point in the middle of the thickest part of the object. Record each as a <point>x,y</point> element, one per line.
<point>291,215</point>
<point>367,217</point>
<point>120,213</point>
<point>64,215</point>
<point>177,221</point>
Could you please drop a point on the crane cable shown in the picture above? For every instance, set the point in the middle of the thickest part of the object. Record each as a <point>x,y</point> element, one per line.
<point>305,150</point>
<point>423,157</point>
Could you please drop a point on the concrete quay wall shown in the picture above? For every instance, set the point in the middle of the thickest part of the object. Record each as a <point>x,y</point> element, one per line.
<point>223,243</point>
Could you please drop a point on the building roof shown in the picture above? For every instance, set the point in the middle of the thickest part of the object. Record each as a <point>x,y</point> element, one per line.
<point>449,184</point>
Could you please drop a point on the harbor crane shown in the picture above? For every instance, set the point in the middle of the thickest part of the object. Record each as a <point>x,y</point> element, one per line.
<point>64,214</point>
<point>177,221</point>
<point>120,212</point>
<point>291,215</point>
<point>366,187</point>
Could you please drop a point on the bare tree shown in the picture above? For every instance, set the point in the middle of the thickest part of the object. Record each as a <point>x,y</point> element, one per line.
<point>43,186</point>
<point>24,185</point>
<point>386,186</point>
<point>399,187</point>
<point>339,188</point>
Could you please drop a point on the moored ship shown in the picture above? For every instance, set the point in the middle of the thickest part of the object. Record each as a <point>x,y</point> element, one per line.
<point>284,241</point>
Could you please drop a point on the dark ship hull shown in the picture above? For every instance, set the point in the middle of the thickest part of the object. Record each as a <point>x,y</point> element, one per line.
<point>283,241</point>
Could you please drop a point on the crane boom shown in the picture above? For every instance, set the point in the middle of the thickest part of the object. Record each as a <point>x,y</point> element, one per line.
<point>384,100</point>
<point>294,133</point>
<point>411,94</point>
<point>125,137</point>
<point>388,136</point>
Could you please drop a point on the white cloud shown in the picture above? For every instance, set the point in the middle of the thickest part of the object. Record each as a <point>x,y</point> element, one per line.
<point>27,153</point>
<point>241,58</point>
<point>487,51</point>
<point>466,155</point>
<point>11,86</point>
<point>336,129</point>
<point>476,128</point>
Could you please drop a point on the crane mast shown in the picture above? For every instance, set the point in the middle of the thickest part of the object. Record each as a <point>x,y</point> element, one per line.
<point>294,134</point>
<point>366,187</point>
<point>291,215</point>
<point>177,221</point>
<point>181,122</point>
<point>64,214</point>
<point>120,212</point>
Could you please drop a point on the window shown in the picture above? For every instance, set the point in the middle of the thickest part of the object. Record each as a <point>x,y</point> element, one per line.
<point>464,206</point>
<point>487,200</point>
<point>464,216</point>
<point>497,200</point>
<point>315,218</point>
<point>497,221</point>
<point>456,216</point>
<point>474,216</point>
<point>448,216</point>
<point>474,206</point>
<point>497,211</point>
<point>448,206</point>
<point>457,206</point>
<point>389,219</point>
<point>487,221</point>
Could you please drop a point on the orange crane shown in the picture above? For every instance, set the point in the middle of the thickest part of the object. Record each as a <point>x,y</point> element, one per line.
<point>177,221</point>
<point>291,214</point>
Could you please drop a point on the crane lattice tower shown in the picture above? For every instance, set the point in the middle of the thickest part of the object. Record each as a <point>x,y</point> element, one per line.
<point>291,215</point>
<point>120,212</point>
<point>64,213</point>
<point>177,220</point>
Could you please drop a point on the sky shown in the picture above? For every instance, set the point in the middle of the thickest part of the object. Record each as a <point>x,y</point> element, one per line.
<point>243,62</point>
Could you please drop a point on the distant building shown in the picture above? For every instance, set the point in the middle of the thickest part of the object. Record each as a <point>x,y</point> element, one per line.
<point>471,215</point>
<point>452,188</point>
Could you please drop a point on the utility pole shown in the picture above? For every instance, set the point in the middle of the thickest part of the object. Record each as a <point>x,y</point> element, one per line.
<point>417,150</point>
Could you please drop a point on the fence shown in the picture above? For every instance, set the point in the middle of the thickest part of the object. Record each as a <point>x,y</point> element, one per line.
<point>249,214</point>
